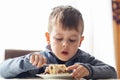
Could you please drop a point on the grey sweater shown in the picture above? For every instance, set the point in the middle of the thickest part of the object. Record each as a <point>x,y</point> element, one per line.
<point>21,67</point>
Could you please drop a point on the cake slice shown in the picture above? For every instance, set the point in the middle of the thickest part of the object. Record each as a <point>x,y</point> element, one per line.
<point>55,69</point>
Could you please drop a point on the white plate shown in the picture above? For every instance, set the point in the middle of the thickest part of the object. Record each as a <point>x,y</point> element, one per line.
<point>55,76</point>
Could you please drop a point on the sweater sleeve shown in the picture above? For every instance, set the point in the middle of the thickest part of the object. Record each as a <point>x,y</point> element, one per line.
<point>97,68</point>
<point>12,67</point>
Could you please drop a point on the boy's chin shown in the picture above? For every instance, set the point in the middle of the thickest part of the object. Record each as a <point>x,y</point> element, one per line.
<point>63,59</point>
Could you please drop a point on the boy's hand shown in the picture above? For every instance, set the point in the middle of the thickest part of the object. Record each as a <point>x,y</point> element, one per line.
<point>38,60</point>
<point>79,71</point>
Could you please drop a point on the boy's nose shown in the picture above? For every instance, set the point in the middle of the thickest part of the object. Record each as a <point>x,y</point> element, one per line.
<point>65,44</point>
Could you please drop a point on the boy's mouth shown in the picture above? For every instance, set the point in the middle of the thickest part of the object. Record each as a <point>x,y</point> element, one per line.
<point>65,53</point>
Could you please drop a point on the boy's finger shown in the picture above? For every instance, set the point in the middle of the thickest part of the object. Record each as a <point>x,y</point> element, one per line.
<point>40,61</point>
<point>77,71</point>
<point>44,60</point>
<point>36,60</point>
<point>32,58</point>
<point>72,67</point>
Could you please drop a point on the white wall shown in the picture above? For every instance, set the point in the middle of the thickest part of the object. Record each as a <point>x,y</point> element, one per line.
<point>24,22</point>
<point>103,31</point>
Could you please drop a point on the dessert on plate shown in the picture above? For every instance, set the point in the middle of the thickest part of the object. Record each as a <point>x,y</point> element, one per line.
<point>56,69</point>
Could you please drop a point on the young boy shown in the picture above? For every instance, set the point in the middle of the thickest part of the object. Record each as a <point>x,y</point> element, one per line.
<point>64,38</point>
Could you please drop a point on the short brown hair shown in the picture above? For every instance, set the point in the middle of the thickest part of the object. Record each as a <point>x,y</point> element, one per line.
<point>68,16</point>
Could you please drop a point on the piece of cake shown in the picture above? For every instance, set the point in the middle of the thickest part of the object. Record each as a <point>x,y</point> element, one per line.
<point>56,69</point>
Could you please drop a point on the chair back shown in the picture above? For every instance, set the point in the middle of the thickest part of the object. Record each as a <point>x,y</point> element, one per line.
<point>11,53</point>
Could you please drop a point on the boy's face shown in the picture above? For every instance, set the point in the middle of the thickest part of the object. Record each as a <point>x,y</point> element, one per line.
<point>64,43</point>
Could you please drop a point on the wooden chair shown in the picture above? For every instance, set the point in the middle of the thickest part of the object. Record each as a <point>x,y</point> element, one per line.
<point>11,53</point>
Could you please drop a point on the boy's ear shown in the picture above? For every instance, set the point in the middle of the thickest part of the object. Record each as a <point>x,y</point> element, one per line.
<point>47,35</point>
<point>82,38</point>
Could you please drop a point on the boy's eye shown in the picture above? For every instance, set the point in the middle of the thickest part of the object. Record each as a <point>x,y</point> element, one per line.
<point>72,40</point>
<point>59,39</point>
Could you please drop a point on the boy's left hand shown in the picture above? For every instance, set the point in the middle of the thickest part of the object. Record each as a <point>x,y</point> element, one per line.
<point>79,71</point>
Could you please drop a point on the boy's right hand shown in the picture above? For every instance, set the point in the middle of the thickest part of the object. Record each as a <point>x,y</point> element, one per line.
<point>38,60</point>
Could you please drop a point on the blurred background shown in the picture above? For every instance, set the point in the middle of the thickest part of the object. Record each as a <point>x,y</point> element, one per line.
<point>23,24</point>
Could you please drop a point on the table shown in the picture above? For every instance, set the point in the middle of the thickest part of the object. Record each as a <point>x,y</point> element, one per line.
<point>50,79</point>
<point>36,79</point>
